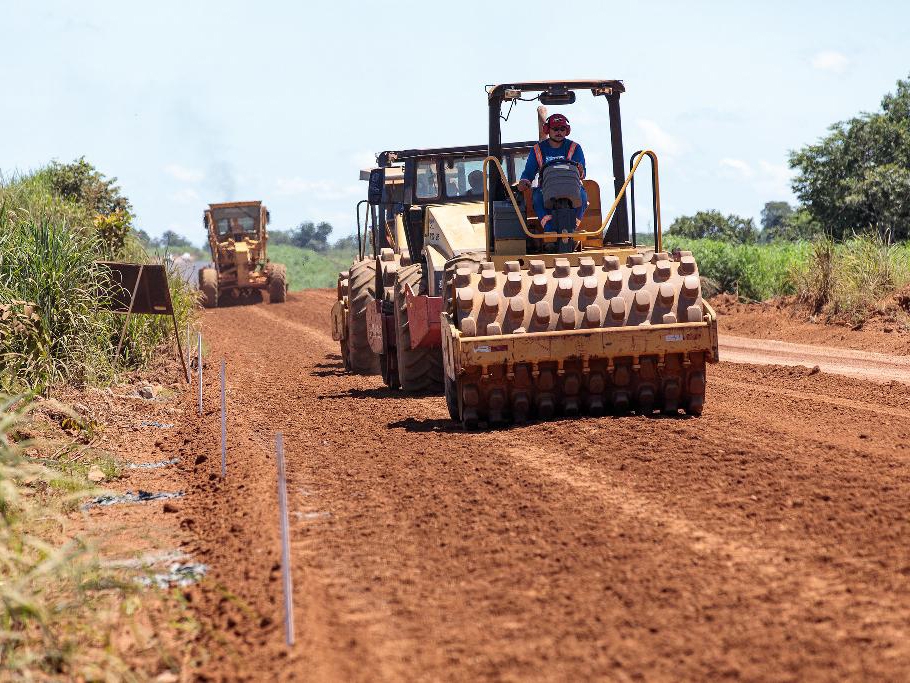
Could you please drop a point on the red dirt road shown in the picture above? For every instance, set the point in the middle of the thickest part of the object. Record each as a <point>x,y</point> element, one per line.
<point>766,540</point>
<point>875,367</point>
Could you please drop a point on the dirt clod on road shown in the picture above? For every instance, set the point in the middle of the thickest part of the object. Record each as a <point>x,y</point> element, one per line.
<point>765,540</point>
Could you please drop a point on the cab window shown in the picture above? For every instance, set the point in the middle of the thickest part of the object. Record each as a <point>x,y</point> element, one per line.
<point>235,221</point>
<point>518,164</point>
<point>427,185</point>
<point>464,178</point>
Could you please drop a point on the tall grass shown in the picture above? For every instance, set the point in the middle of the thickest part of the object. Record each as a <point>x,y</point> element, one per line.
<point>847,281</point>
<point>32,571</point>
<point>54,326</point>
<point>843,281</point>
<point>752,271</point>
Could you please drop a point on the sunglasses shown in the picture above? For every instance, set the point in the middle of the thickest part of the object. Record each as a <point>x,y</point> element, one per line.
<point>559,128</point>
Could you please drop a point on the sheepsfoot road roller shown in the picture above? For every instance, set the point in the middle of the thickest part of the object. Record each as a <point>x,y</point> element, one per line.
<point>241,269</point>
<point>576,319</point>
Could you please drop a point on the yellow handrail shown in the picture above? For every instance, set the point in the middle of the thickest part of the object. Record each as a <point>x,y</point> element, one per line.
<point>577,236</point>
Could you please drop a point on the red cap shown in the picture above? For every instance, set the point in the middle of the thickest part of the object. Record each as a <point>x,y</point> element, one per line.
<point>556,121</point>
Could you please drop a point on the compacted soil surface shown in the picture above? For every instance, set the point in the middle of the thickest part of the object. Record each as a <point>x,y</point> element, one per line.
<point>765,540</point>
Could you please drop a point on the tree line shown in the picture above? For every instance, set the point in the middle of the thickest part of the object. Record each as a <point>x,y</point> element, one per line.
<point>307,235</point>
<point>310,235</point>
<point>855,179</point>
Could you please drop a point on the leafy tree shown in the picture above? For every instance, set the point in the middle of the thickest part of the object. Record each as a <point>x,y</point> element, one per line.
<point>859,175</point>
<point>799,225</point>
<point>714,225</point>
<point>312,236</point>
<point>83,183</point>
<point>279,237</point>
<point>171,240</point>
<point>110,213</point>
<point>775,215</point>
<point>143,237</point>
<point>348,243</point>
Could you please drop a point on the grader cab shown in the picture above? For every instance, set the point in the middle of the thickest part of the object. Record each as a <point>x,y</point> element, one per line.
<point>241,269</point>
<point>577,319</point>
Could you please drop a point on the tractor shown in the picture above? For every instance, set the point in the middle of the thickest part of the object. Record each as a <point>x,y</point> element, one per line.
<point>424,209</point>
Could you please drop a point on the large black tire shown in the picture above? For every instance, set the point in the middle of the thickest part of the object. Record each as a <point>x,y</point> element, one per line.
<point>419,370</point>
<point>278,283</point>
<point>208,285</point>
<point>471,260</point>
<point>361,291</point>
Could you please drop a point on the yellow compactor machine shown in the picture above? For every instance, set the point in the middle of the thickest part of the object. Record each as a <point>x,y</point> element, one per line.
<point>581,320</point>
<point>241,268</point>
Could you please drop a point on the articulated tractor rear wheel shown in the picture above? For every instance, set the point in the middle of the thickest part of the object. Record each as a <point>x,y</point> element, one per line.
<point>361,291</point>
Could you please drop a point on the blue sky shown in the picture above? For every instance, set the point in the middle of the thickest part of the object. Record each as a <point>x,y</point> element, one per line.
<point>195,102</point>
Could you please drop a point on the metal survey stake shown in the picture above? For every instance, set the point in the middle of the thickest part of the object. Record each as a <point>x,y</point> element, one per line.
<point>199,367</point>
<point>189,354</point>
<point>223,426</point>
<point>285,542</point>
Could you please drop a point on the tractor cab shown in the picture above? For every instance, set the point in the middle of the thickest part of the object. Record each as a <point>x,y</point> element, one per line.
<point>427,204</point>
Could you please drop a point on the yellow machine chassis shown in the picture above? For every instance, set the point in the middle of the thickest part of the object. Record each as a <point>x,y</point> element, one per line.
<point>507,378</point>
<point>464,353</point>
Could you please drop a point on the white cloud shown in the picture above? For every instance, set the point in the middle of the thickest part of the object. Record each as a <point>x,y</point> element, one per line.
<point>318,189</point>
<point>363,159</point>
<point>184,174</point>
<point>767,179</point>
<point>656,138</point>
<point>775,178</point>
<point>186,196</point>
<point>830,60</point>
<point>738,165</point>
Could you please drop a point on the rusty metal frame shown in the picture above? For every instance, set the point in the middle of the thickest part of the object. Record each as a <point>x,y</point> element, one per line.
<point>150,279</point>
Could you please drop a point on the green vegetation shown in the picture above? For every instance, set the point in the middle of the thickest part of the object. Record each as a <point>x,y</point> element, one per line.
<point>848,281</point>
<point>752,271</point>
<point>715,226</point>
<point>55,225</point>
<point>858,177</point>
<point>843,281</point>
<point>307,235</point>
<point>308,269</point>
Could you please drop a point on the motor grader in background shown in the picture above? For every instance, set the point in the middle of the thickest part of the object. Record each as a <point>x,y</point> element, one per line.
<point>420,201</point>
<point>241,268</point>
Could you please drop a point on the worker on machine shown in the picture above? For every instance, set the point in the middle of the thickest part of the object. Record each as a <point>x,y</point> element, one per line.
<point>475,184</point>
<point>554,148</point>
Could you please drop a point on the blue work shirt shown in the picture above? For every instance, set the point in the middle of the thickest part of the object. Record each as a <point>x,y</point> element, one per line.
<point>548,152</point>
